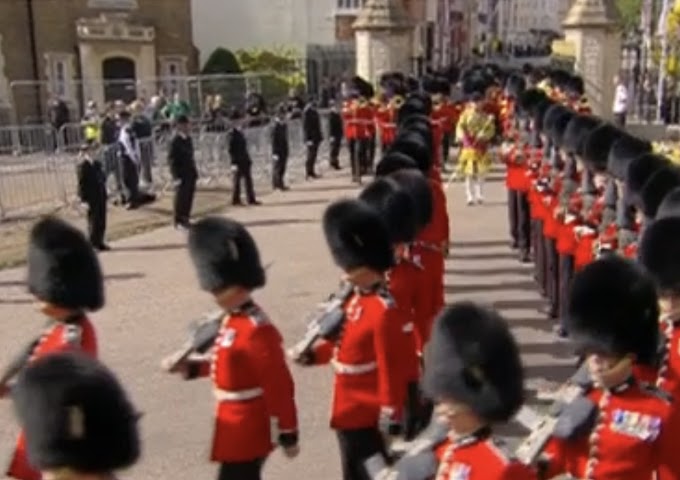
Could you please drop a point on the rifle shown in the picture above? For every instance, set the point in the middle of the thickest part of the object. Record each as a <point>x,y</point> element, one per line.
<point>416,461</point>
<point>325,324</point>
<point>201,337</point>
<point>18,364</point>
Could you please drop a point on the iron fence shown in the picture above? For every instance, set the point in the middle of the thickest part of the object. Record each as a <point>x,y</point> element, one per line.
<point>38,163</point>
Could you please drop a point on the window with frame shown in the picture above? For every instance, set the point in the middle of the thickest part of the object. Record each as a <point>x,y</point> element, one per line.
<point>349,5</point>
<point>59,68</point>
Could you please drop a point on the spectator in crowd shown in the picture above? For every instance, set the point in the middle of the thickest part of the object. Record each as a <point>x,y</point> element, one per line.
<point>216,114</point>
<point>92,192</point>
<point>143,130</point>
<point>311,126</point>
<point>335,134</point>
<point>91,122</point>
<point>184,172</point>
<point>58,115</point>
<point>176,108</point>
<point>280,148</point>
<point>620,106</point>
<point>256,108</point>
<point>295,104</point>
<point>128,161</point>
<point>241,164</point>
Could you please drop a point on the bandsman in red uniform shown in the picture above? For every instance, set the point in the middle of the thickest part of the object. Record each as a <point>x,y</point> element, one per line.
<point>367,359</point>
<point>619,427</point>
<point>364,118</point>
<point>253,388</point>
<point>474,372</point>
<point>442,118</point>
<point>576,94</point>
<point>660,256</point>
<point>78,420</point>
<point>351,128</point>
<point>65,278</point>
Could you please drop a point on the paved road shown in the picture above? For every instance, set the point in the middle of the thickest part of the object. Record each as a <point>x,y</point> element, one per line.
<point>152,295</point>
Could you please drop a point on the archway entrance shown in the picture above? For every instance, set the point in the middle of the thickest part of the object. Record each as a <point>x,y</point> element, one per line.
<point>119,79</point>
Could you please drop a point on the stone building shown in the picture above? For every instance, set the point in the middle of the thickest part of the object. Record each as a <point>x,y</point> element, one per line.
<point>80,50</point>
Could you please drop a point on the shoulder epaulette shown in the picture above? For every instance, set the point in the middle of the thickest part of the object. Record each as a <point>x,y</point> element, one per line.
<point>72,335</point>
<point>501,448</point>
<point>657,392</point>
<point>256,315</point>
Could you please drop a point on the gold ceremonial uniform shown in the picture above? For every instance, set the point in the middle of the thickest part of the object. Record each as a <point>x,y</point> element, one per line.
<point>474,131</point>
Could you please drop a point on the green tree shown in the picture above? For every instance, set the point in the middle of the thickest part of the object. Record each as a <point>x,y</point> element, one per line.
<point>222,61</point>
<point>279,70</point>
<point>630,13</point>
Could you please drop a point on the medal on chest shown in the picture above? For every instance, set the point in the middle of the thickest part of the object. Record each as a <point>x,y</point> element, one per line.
<point>228,338</point>
<point>354,310</point>
<point>460,471</point>
<point>634,424</point>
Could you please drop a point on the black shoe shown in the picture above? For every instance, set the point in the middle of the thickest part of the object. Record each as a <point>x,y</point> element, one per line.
<point>335,166</point>
<point>102,247</point>
<point>254,203</point>
<point>514,245</point>
<point>525,257</point>
<point>183,227</point>
<point>237,203</point>
<point>561,333</point>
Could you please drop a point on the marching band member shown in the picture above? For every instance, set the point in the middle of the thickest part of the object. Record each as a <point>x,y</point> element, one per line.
<point>475,130</point>
<point>368,389</point>
<point>79,422</point>
<point>474,372</point>
<point>253,388</point>
<point>64,293</point>
<point>619,427</point>
<point>350,124</point>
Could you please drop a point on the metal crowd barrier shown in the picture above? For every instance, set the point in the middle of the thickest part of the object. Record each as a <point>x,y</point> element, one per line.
<point>38,163</point>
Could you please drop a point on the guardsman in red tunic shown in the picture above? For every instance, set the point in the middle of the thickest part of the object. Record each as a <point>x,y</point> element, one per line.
<point>253,388</point>
<point>660,255</point>
<point>349,121</point>
<point>367,358</point>
<point>474,372</point>
<point>619,428</point>
<point>77,418</point>
<point>64,293</point>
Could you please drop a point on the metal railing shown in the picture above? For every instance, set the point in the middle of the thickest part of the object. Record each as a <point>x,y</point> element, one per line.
<point>38,163</point>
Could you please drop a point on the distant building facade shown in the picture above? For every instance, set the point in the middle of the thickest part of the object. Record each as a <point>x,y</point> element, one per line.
<point>81,50</point>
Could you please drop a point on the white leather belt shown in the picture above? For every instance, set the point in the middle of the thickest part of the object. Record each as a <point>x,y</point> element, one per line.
<point>345,369</point>
<point>237,395</point>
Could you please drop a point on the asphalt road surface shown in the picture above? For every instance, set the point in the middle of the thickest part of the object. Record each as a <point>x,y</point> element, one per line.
<point>153,295</point>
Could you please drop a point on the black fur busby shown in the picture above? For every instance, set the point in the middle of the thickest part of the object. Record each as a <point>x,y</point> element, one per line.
<point>225,255</point>
<point>395,205</point>
<point>640,170</point>
<point>412,106</point>
<point>443,86</point>
<point>515,86</point>
<point>417,185</point>
<point>578,128</point>
<point>660,184</point>
<point>558,127</point>
<point>530,98</point>
<point>416,147</point>
<point>364,88</point>
<point>473,358</point>
<point>393,162</point>
<point>75,415</point>
<point>575,85</point>
<point>660,254</point>
<point>63,268</point>
<point>613,309</point>
<point>538,114</point>
<point>357,236</point>
<point>429,84</point>
<point>597,145</point>
<point>551,115</point>
<point>670,205</point>
<point>623,151</point>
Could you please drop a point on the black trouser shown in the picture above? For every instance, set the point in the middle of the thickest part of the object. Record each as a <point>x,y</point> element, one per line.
<point>414,412</point>
<point>312,153</point>
<point>279,170</point>
<point>111,167</point>
<point>146,160</point>
<point>243,172</point>
<point>184,200</point>
<point>539,254</point>
<point>524,222</point>
<point>620,119</point>
<point>335,144</point>
<point>552,272</point>
<point>513,216</point>
<point>566,274</point>
<point>130,177</point>
<point>357,446</point>
<point>446,147</point>
<point>241,470</point>
<point>370,155</point>
<point>96,222</point>
<point>363,151</point>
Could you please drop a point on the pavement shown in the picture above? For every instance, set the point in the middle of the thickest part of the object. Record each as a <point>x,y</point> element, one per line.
<point>152,295</point>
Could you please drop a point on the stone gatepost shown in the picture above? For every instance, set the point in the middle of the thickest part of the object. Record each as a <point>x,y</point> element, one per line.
<point>384,39</point>
<point>594,28</point>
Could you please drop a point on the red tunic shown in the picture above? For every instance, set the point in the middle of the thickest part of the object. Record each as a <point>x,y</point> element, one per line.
<point>253,387</point>
<point>366,360</point>
<point>479,459</point>
<point>364,120</point>
<point>584,253</point>
<point>515,175</point>
<point>632,425</point>
<point>349,119</point>
<point>668,379</point>
<point>58,337</point>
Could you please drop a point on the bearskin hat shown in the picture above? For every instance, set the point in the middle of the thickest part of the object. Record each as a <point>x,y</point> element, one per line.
<point>551,115</point>
<point>473,358</point>
<point>530,98</point>
<point>578,128</point>
<point>415,183</point>
<point>443,86</point>
<point>623,151</point>
<point>538,114</point>
<point>357,236</point>
<point>395,205</point>
<point>670,206</point>
<point>75,415</point>
<point>411,107</point>
<point>63,268</point>
<point>416,147</point>
<point>613,309</point>
<point>559,125</point>
<point>419,124</point>
<point>559,78</point>
<point>364,88</point>
<point>660,254</point>
<point>393,162</point>
<point>640,170</point>
<point>575,85</point>
<point>225,255</point>
<point>597,145</point>
<point>660,184</point>
<point>515,86</point>
<point>475,85</point>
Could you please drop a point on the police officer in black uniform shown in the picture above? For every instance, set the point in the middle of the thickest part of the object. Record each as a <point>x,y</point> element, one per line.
<point>241,164</point>
<point>184,173</point>
<point>92,191</point>
<point>280,148</point>
<point>335,133</point>
<point>311,126</point>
